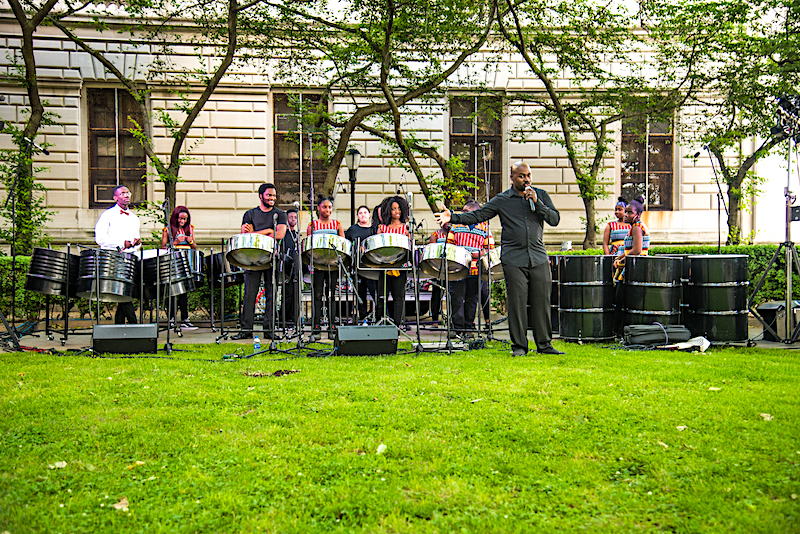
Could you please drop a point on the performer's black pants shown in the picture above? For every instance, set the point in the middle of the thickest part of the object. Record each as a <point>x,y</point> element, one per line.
<point>396,287</point>
<point>181,302</point>
<point>436,300</point>
<point>464,300</point>
<point>252,282</point>
<point>365,286</point>
<point>324,283</point>
<point>125,313</point>
<point>529,285</point>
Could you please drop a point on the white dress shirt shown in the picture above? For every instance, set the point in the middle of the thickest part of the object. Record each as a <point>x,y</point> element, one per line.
<point>114,227</point>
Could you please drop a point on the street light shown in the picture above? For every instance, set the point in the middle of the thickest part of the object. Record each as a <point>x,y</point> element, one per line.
<point>352,158</point>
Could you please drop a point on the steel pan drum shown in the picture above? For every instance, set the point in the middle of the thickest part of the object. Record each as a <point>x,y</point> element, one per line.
<point>492,261</point>
<point>652,290</point>
<point>250,251</point>
<point>324,249</point>
<point>48,272</point>
<point>195,260</point>
<point>220,266</point>
<point>386,251</point>
<point>117,272</point>
<point>456,258</point>
<point>554,293</point>
<point>586,298</point>
<point>717,297</point>
<point>170,270</point>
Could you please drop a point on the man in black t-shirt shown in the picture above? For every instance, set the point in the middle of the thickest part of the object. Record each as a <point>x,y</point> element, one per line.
<point>268,220</point>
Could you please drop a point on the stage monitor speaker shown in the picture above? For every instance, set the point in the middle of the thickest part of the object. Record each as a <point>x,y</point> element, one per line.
<point>366,340</point>
<point>125,338</point>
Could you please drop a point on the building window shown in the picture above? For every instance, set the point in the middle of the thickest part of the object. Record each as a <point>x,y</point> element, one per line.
<point>476,137</point>
<point>647,152</point>
<point>289,172</point>
<point>115,156</point>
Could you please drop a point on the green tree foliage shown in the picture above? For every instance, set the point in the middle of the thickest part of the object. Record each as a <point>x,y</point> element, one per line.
<point>214,36</point>
<point>381,55</point>
<point>750,63</point>
<point>615,70</point>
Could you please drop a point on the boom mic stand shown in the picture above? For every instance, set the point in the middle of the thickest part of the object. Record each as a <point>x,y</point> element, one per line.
<point>792,121</point>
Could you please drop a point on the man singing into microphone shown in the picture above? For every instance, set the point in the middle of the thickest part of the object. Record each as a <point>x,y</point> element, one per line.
<point>523,210</point>
<point>264,219</point>
<point>118,229</point>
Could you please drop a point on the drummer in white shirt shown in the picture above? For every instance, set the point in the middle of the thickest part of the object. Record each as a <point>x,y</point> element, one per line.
<point>118,229</point>
<point>323,282</point>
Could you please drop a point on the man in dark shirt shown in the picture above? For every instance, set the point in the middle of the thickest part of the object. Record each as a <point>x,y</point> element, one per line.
<point>290,269</point>
<point>268,220</point>
<point>525,263</point>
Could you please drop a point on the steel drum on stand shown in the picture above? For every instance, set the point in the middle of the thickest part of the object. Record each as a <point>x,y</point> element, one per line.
<point>48,272</point>
<point>718,297</point>
<point>170,270</point>
<point>652,289</point>
<point>586,299</point>
<point>456,259</point>
<point>491,261</point>
<point>117,272</point>
<point>386,251</point>
<point>250,251</point>
<point>220,266</point>
<point>196,261</point>
<point>325,249</point>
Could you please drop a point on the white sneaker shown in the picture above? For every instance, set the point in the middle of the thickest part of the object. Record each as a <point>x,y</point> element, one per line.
<point>186,325</point>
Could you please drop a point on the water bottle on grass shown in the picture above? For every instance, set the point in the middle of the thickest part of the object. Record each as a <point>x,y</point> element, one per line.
<point>256,343</point>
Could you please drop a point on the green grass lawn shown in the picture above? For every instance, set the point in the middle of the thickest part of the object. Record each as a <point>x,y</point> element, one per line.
<point>597,440</point>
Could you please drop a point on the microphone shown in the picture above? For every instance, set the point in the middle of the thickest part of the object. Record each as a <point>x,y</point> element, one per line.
<point>34,145</point>
<point>165,204</point>
<point>484,143</point>
<point>296,205</point>
<point>530,200</point>
<point>696,155</point>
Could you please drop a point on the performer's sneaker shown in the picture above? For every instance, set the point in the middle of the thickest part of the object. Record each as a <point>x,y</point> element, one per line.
<point>186,325</point>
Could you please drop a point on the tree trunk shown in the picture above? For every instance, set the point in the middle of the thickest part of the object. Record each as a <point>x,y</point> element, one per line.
<point>590,239</point>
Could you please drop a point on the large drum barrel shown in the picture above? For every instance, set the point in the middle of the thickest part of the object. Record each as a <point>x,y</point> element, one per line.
<point>171,271</point>
<point>718,297</point>
<point>48,272</point>
<point>652,290</point>
<point>554,261</point>
<point>684,259</point>
<point>586,300</point>
<point>116,273</point>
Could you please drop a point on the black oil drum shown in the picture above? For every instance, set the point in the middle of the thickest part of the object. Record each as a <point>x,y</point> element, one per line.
<point>718,297</point>
<point>586,300</point>
<point>52,272</point>
<point>554,261</point>
<point>652,290</point>
<point>684,258</point>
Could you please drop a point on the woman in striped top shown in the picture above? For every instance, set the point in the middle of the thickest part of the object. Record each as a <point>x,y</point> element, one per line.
<point>615,232</point>
<point>323,282</point>
<point>637,242</point>
<point>396,213</point>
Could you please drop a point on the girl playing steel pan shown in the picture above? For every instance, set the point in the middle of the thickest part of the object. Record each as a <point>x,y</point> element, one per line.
<point>324,282</point>
<point>396,213</point>
<point>180,225</point>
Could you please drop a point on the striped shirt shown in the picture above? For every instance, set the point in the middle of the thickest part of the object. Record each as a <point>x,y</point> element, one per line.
<point>645,238</point>
<point>386,229</point>
<point>472,238</point>
<point>319,227</point>
<point>619,231</point>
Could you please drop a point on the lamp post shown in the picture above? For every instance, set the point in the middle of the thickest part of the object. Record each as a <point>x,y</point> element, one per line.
<point>352,159</point>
